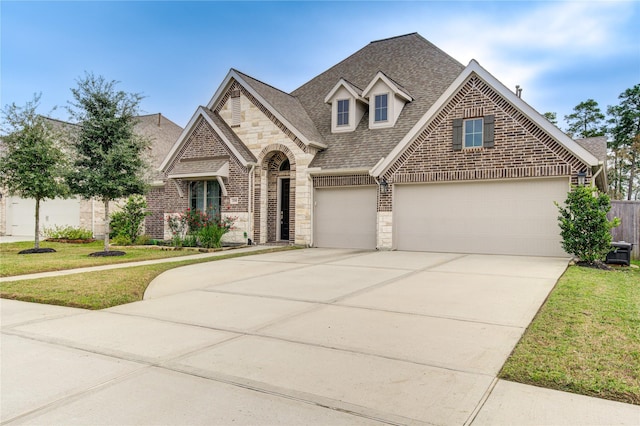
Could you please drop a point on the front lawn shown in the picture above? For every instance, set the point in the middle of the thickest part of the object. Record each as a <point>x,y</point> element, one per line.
<point>102,289</point>
<point>586,337</point>
<point>70,256</point>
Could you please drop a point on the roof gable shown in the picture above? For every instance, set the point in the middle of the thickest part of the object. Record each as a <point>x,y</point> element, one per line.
<point>235,146</point>
<point>351,88</point>
<point>475,68</point>
<point>395,88</point>
<point>284,107</point>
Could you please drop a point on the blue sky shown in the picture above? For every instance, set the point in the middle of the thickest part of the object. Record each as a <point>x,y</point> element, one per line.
<point>177,53</point>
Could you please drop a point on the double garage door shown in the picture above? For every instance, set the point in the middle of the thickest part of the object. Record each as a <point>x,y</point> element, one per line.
<point>20,215</point>
<point>502,217</point>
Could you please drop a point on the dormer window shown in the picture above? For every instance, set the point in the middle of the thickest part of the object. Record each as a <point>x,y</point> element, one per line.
<point>388,99</point>
<point>381,106</point>
<point>343,112</point>
<point>347,106</point>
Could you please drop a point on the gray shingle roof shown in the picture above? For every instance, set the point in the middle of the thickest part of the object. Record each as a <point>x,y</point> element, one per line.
<point>596,146</point>
<point>417,66</point>
<point>162,133</point>
<point>288,106</point>
<point>193,166</point>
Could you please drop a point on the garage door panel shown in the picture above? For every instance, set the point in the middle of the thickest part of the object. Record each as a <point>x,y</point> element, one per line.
<point>58,212</point>
<point>508,217</point>
<point>345,217</point>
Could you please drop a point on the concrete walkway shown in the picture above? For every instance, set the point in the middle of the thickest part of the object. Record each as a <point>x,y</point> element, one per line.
<point>313,336</point>
<point>130,264</point>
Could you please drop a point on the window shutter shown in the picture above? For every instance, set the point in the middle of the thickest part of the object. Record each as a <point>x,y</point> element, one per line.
<point>487,136</point>
<point>235,111</point>
<point>457,134</point>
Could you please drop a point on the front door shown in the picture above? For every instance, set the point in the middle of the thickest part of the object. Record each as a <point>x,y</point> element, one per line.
<point>284,209</point>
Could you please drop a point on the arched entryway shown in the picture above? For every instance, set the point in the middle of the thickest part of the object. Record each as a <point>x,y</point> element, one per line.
<point>277,214</point>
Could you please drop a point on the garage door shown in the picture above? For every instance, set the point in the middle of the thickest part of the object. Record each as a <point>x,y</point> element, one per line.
<point>21,214</point>
<point>345,217</point>
<point>508,217</point>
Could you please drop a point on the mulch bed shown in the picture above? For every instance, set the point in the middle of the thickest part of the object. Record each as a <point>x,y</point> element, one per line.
<point>107,253</point>
<point>595,265</point>
<point>37,250</point>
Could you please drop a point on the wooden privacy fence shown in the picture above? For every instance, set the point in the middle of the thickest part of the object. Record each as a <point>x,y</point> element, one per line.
<point>629,229</point>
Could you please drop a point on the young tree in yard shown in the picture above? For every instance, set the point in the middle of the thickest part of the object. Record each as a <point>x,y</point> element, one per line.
<point>625,132</point>
<point>586,121</point>
<point>32,163</point>
<point>584,226</point>
<point>108,161</point>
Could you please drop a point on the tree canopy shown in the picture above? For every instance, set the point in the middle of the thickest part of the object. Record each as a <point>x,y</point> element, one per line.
<point>32,164</point>
<point>108,162</point>
<point>586,121</point>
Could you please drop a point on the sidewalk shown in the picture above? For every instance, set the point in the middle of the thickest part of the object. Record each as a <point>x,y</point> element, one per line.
<point>130,264</point>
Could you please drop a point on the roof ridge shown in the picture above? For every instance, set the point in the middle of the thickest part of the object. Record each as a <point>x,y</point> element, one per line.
<point>391,38</point>
<point>262,82</point>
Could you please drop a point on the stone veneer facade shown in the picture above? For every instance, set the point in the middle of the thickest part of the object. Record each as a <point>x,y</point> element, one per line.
<point>271,143</point>
<point>254,186</point>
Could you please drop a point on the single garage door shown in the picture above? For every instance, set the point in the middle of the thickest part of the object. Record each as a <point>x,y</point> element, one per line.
<point>21,214</point>
<point>505,217</point>
<point>345,217</point>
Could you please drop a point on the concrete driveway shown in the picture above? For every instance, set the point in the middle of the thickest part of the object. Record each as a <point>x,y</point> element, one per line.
<point>314,336</point>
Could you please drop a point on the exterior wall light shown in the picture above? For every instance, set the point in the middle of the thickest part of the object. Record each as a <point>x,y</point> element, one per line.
<point>384,185</point>
<point>582,177</point>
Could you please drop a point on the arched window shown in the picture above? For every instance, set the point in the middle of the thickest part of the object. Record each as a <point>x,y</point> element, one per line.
<point>285,165</point>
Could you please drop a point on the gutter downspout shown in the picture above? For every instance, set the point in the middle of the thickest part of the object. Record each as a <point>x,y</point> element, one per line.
<point>312,209</point>
<point>250,203</point>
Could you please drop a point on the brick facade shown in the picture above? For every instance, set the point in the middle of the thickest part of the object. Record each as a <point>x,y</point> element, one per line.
<point>154,224</point>
<point>521,150</point>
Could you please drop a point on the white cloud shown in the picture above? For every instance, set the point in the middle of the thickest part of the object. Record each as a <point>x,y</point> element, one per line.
<point>521,42</point>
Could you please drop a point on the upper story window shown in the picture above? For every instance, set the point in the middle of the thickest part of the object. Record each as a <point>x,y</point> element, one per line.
<point>473,129</point>
<point>343,112</point>
<point>381,107</point>
<point>476,132</point>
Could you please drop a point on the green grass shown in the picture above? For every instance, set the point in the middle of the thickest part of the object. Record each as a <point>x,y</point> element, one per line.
<point>70,256</point>
<point>586,337</point>
<point>99,290</point>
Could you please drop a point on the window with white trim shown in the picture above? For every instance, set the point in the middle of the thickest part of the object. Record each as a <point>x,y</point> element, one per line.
<point>343,112</point>
<point>381,107</point>
<point>473,129</point>
<point>204,195</point>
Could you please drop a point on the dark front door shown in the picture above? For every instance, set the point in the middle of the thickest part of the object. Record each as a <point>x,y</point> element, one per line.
<point>284,209</point>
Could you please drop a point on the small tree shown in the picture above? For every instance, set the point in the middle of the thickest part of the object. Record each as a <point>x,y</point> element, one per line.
<point>585,229</point>
<point>32,163</point>
<point>127,223</point>
<point>108,164</point>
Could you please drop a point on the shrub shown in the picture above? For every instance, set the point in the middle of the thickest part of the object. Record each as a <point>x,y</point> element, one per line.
<point>145,240</point>
<point>121,240</point>
<point>584,226</point>
<point>194,228</point>
<point>68,233</point>
<point>128,221</point>
<point>195,220</point>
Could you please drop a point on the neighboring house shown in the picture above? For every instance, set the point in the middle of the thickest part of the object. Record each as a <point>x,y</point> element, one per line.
<point>17,214</point>
<point>399,146</point>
